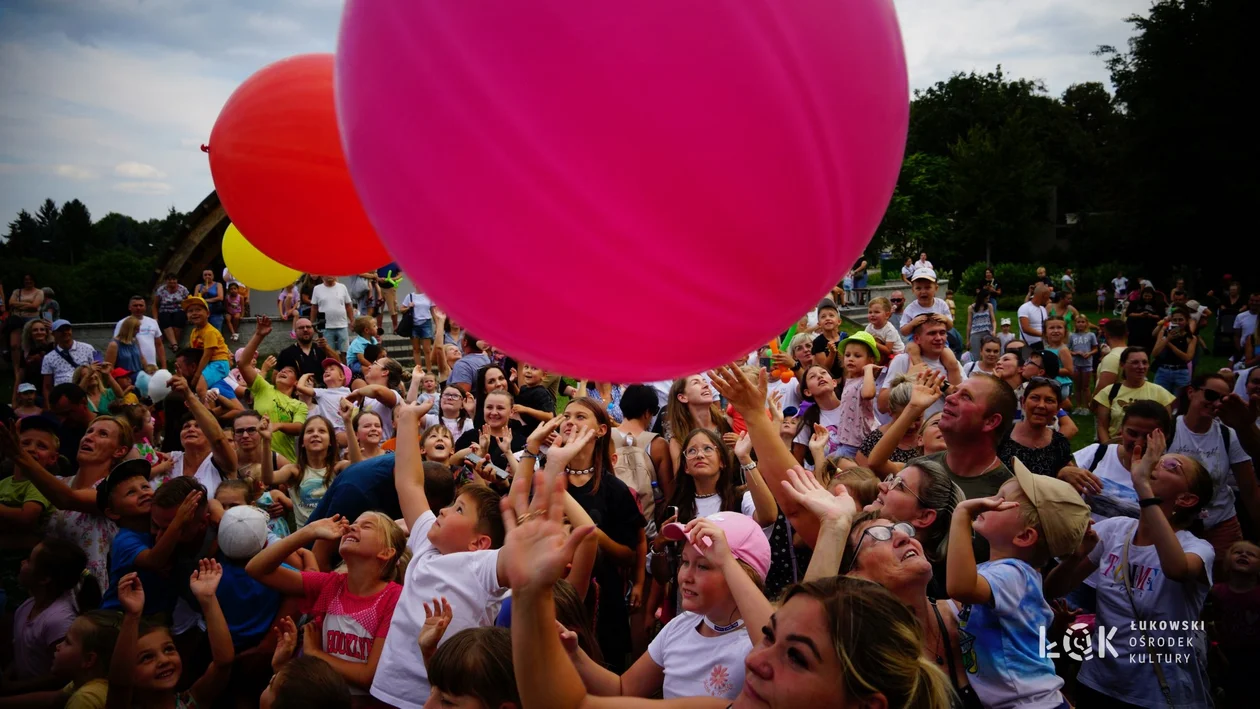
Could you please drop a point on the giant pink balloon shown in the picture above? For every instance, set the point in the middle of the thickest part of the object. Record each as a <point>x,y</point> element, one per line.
<point>624,191</point>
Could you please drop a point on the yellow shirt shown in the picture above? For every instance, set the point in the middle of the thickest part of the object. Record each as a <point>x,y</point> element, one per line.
<point>1126,396</point>
<point>90,696</point>
<point>1111,362</point>
<point>208,338</point>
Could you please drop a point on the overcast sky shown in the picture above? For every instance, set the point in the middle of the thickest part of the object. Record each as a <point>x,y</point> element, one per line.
<point>108,100</point>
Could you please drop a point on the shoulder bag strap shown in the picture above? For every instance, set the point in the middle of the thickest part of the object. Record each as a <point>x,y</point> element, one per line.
<point>1128,590</point>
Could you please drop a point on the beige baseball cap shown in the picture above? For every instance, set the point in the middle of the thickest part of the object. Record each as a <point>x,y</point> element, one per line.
<point>1064,515</point>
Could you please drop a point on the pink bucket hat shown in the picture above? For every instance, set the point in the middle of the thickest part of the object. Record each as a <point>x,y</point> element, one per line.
<point>744,536</point>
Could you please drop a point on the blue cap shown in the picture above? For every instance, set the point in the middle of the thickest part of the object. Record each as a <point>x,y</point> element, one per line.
<point>58,324</point>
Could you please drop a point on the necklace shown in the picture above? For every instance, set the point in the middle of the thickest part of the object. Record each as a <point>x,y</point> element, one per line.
<point>723,628</point>
<point>571,471</point>
<point>705,497</point>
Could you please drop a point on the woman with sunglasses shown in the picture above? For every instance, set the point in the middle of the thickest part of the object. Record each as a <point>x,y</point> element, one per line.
<point>874,546</point>
<point>1171,583</point>
<point>1200,435</point>
<point>1033,440</point>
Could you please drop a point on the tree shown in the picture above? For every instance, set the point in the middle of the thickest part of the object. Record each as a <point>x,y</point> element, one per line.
<point>23,237</point>
<point>1189,157</point>
<point>74,233</point>
<point>918,215</point>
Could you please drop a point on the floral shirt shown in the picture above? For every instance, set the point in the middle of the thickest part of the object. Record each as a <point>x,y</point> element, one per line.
<point>169,302</point>
<point>90,532</point>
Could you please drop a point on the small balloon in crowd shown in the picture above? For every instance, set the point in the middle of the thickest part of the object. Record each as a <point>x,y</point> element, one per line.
<point>279,170</point>
<point>660,155</point>
<point>251,266</point>
<point>159,385</point>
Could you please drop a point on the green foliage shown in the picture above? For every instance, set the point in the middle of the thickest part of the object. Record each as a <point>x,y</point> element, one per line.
<point>918,215</point>
<point>93,268</point>
<point>1014,278</point>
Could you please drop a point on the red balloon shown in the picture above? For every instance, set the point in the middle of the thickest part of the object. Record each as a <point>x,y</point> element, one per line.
<point>278,166</point>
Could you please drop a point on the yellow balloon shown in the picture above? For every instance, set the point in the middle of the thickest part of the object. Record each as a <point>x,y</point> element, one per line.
<point>251,266</point>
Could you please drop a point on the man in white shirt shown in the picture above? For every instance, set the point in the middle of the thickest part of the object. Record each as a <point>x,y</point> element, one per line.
<point>149,336</point>
<point>1032,315</point>
<point>923,262</point>
<point>1069,286</point>
<point>932,338</point>
<point>1245,322</point>
<point>1120,285</point>
<point>59,364</point>
<point>333,300</point>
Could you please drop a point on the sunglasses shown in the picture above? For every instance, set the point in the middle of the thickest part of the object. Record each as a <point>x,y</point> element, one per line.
<point>1171,463</point>
<point>246,431</point>
<point>897,300</point>
<point>880,533</point>
<point>896,482</point>
<point>1211,396</point>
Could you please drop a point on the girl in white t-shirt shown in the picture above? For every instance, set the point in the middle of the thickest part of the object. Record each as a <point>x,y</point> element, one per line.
<point>352,610</point>
<point>451,413</point>
<point>1151,570</point>
<point>706,482</point>
<point>819,389</point>
<point>700,653</point>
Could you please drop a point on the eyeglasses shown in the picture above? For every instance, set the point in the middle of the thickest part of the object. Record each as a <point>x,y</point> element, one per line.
<point>1171,463</point>
<point>692,453</point>
<point>1211,396</point>
<point>880,533</point>
<point>246,431</point>
<point>452,397</point>
<point>896,482</point>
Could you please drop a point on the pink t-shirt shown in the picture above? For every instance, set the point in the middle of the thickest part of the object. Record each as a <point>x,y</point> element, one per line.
<point>857,415</point>
<point>350,623</point>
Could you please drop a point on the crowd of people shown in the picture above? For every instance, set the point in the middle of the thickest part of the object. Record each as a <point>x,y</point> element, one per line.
<point>194,517</point>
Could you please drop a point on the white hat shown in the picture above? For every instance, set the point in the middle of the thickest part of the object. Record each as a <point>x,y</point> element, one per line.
<point>242,532</point>
<point>1005,321</point>
<point>924,273</point>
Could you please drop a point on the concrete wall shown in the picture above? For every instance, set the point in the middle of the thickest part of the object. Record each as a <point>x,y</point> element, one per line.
<point>858,313</point>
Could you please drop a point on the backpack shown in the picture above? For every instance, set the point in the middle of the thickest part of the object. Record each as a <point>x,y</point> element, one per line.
<point>633,466</point>
<point>1101,450</point>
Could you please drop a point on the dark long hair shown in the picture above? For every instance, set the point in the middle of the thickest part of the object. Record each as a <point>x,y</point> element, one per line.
<point>813,414</point>
<point>602,458</point>
<point>684,497</point>
<point>479,392</point>
<point>331,456</point>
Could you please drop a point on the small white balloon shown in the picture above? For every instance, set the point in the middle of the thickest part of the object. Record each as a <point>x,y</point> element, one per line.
<point>159,385</point>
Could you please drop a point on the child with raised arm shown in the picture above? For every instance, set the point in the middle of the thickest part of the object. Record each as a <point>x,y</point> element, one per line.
<point>454,556</point>
<point>1000,604</point>
<point>352,611</point>
<point>146,667</point>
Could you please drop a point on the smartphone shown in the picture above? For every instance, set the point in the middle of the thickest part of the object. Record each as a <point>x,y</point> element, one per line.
<point>476,460</point>
<point>98,357</point>
<point>671,511</point>
<point>767,363</point>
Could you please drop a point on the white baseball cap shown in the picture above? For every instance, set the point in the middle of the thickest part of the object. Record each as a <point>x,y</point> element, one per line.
<point>242,532</point>
<point>921,273</point>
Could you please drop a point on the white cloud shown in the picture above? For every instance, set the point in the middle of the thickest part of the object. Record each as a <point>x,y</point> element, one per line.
<point>144,188</point>
<point>138,171</point>
<point>74,172</point>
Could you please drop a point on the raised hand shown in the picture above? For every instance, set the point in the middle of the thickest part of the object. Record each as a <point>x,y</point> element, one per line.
<point>269,364</point>
<point>131,594</point>
<point>804,488</point>
<point>311,634</point>
<point>205,580</point>
<point>187,509</point>
<point>561,454</point>
<point>264,429</point>
<point>748,397</point>
<point>977,506</point>
<point>286,643</point>
<point>178,385</point>
<point>709,540</point>
<point>346,410</point>
<point>262,327</point>
<point>436,621</point>
<point>330,528</point>
<point>408,413</point>
<point>743,446</point>
<point>540,435</point>
<point>927,388</point>
<point>774,404</point>
<point>820,437</point>
<point>537,549</point>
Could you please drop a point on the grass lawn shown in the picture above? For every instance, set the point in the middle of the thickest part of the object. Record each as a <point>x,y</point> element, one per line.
<point>1085,436</point>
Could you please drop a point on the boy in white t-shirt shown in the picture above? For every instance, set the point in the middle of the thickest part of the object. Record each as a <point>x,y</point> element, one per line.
<point>328,399</point>
<point>1000,604</point>
<point>1004,334</point>
<point>925,303</point>
<point>454,556</point>
<point>885,333</point>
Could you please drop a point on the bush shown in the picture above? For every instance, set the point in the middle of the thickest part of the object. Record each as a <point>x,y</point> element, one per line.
<point>94,290</point>
<point>1016,277</point>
